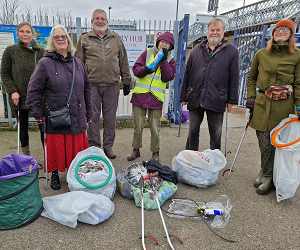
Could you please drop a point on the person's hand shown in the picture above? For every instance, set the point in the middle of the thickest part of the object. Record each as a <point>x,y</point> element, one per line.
<point>40,120</point>
<point>148,70</point>
<point>165,57</point>
<point>126,89</point>
<point>184,103</point>
<point>89,120</point>
<point>229,107</point>
<point>250,105</point>
<point>15,98</point>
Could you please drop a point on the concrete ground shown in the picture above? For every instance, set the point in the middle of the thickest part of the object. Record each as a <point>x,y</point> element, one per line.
<point>256,222</point>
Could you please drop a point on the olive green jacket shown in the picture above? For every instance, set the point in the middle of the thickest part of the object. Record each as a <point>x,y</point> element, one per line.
<point>105,61</point>
<point>278,67</point>
<point>18,63</point>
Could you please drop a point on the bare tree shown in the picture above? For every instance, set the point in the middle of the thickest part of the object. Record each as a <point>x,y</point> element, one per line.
<point>10,8</point>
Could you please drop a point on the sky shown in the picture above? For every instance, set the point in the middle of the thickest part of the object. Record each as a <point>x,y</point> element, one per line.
<point>160,10</point>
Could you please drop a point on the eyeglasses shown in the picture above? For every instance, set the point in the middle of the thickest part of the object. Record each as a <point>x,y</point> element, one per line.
<point>284,29</point>
<point>60,37</point>
<point>98,19</point>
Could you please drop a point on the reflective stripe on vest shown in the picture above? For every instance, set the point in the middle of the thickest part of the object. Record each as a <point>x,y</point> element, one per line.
<point>151,82</point>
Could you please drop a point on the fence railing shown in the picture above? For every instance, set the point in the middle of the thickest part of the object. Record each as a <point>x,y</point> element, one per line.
<point>262,12</point>
<point>79,26</point>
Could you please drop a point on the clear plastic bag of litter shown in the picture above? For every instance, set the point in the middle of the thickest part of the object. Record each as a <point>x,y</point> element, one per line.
<point>216,212</point>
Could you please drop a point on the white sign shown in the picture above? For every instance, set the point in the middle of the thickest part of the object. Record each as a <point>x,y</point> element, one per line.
<point>5,40</point>
<point>135,43</point>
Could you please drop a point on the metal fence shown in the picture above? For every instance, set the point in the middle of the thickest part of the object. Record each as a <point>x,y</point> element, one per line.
<point>76,28</point>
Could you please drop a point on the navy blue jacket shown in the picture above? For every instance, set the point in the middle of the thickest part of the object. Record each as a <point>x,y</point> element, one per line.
<point>211,84</point>
<point>50,84</point>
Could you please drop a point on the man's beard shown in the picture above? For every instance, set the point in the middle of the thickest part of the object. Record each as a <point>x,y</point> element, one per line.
<point>100,29</point>
<point>215,40</point>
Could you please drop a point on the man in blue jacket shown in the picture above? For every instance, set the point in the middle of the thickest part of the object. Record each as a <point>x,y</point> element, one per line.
<point>210,83</point>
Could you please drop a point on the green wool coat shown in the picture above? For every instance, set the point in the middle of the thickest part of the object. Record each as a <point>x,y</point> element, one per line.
<point>277,68</point>
<point>17,65</point>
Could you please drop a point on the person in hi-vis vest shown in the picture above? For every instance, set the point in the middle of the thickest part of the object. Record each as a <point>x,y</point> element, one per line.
<point>148,93</point>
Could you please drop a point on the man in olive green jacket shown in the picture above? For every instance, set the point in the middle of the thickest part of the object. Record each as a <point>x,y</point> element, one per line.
<point>104,55</point>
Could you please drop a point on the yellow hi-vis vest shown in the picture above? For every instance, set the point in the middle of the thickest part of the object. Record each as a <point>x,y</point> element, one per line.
<point>151,82</point>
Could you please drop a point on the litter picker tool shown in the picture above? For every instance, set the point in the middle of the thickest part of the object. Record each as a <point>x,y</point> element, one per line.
<point>45,152</point>
<point>227,172</point>
<point>143,221</point>
<point>162,217</point>
<point>19,127</point>
<point>226,137</point>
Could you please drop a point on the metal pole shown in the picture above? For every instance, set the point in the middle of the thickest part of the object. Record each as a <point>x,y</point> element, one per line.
<point>109,8</point>
<point>177,10</point>
<point>216,7</point>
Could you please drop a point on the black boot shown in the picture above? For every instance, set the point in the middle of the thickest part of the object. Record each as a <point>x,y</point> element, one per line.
<point>55,184</point>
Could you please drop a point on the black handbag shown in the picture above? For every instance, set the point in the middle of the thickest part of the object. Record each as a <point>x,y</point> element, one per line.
<point>61,118</point>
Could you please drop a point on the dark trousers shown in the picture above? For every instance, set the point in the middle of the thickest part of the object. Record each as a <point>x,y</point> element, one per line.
<point>24,136</point>
<point>105,100</point>
<point>267,152</point>
<point>215,123</point>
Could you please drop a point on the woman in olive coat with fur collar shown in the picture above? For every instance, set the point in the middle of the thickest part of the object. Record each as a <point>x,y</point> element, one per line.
<point>17,65</point>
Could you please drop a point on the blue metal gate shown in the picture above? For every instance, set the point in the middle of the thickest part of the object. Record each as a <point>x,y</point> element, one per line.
<point>248,41</point>
<point>174,106</point>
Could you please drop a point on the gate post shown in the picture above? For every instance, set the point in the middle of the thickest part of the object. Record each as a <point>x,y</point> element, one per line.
<point>180,66</point>
<point>78,27</point>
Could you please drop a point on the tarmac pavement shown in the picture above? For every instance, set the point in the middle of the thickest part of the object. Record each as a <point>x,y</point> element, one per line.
<point>256,222</point>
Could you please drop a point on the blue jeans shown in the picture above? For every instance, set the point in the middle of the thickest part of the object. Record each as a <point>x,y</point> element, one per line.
<point>215,123</point>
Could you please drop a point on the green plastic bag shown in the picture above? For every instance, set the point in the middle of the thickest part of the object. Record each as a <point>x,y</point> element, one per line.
<point>164,192</point>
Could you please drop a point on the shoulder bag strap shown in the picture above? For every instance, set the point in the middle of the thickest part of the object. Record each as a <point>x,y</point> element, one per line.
<point>68,103</point>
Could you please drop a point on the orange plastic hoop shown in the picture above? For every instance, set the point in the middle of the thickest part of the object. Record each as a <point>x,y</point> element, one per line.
<point>276,132</point>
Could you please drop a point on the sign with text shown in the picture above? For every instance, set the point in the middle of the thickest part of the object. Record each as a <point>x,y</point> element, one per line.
<point>6,38</point>
<point>135,43</point>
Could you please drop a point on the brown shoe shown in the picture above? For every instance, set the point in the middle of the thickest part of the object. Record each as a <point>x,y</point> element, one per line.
<point>110,154</point>
<point>135,154</point>
<point>155,156</point>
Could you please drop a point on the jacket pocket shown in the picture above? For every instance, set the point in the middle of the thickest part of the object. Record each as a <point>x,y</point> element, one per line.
<point>189,93</point>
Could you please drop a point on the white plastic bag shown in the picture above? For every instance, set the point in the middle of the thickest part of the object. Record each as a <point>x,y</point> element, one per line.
<point>286,173</point>
<point>93,179</point>
<point>199,169</point>
<point>69,207</point>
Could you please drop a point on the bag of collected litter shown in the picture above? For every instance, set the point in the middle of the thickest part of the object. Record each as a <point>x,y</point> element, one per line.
<point>20,197</point>
<point>124,186</point>
<point>164,192</point>
<point>69,207</point>
<point>91,171</point>
<point>286,174</point>
<point>199,169</point>
<point>181,208</point>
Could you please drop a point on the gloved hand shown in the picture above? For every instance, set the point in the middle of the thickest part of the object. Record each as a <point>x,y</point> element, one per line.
<point>89,120</point>
<point>165,57</point>
<point>298,112</point>
<point>148,70</point>
<point>40,120</point>
<point>250,104</point>
<point>126,89</point>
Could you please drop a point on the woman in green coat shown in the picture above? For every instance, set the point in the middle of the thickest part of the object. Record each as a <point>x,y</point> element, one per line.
<point>278,63</point>
<point>17,65</point>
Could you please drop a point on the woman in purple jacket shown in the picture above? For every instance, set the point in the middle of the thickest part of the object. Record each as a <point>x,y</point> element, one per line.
<point>148,93</point>
<point>49,88</point>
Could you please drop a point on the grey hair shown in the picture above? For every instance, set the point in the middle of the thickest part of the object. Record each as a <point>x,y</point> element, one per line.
<point>98,10</point>
<point>50,45</point>
<point>217,20</point>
